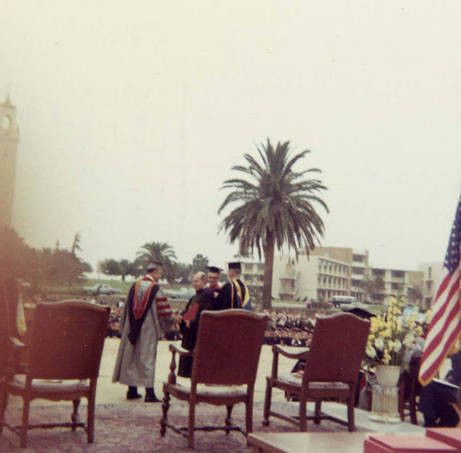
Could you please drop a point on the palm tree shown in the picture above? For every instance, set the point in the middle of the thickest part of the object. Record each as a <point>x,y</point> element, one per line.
<point>275,206</point>
<point>158,251</point>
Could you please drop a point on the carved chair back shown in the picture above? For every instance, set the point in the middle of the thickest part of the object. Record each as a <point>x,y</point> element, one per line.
<point>337,349</point>
<point>66,340</point>
<point>228,347</point>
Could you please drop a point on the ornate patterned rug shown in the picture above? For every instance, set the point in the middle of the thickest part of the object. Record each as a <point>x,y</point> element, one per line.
<point>134,427</point>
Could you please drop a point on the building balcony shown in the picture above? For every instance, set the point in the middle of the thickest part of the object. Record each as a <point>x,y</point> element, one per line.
<point>289,291</point>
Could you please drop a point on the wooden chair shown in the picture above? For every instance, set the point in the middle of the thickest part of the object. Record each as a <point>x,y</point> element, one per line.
<point>409,390</point>
<point>331,371</point>
<point>63,353</point>
<point>226,354</point>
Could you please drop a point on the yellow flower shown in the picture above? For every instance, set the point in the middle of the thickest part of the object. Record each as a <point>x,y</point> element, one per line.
<point>428,316</point>
<point>386,333</point>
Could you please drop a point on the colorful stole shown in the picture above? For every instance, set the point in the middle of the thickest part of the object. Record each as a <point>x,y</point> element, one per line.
<point>245,300</point>
<point>235,288</point>
<point>191,312</point>
<point>139,306</point>
<point>137,310</point>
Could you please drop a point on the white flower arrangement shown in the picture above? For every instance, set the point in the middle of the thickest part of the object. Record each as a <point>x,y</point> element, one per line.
<point>392,339</point>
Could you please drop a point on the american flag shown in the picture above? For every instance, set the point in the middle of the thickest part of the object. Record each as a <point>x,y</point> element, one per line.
<point>445,327</point>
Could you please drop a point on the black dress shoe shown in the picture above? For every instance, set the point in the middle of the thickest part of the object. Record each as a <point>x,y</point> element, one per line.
<point>132,395</point>
<point>151,399</point>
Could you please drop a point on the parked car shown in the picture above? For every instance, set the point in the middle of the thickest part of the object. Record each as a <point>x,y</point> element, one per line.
<point>101,288</point>
<point>182,293</point>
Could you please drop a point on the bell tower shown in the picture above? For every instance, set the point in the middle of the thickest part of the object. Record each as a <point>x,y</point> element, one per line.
<point>9,137</point>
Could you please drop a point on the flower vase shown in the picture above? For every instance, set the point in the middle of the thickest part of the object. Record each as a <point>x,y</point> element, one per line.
<point>385,397</point>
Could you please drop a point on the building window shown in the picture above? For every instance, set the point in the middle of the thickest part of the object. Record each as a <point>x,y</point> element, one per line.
<point>397,274</point>
<point>358,258</point>
<point>358,270</point>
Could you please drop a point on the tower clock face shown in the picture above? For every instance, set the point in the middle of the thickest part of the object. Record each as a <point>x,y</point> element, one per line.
<point>5,123</point>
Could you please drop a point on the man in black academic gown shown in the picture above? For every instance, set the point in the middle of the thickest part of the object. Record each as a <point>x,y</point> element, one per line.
<point>234,294</point>
<point>203,300</point>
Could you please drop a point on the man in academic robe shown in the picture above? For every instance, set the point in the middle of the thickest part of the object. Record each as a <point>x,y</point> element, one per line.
<point>141,330</point>
<point>436,399</point>
<point>213,278</point>
<point>190,320</point>
<point>234,294</point>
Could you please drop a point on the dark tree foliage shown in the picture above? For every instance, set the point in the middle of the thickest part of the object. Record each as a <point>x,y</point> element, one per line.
<point>121,267</point>
<point>199,263</point>
<point>158,251</point>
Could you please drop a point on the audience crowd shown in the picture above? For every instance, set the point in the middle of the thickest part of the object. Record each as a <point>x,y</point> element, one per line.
<point>283,327</point>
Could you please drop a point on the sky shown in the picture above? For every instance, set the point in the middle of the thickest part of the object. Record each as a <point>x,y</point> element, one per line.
<point>132,114</point>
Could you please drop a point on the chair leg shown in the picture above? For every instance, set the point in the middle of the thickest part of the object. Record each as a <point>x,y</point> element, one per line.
<point>267,402</point>
<point>302,416</point>
<point>75,418</point>
<point>318,409</point>
<point>190,431</point>
<point>249,415</point>
<point>165,407</point>
<point>228,418</point>
<point>350,414</point>
<point>90,418</point>
<point>413,417</point>
<point>25,422</point>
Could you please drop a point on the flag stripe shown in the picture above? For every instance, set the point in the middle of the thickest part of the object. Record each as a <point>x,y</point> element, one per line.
<point>443,285</point>
<point>441,338</point>
<point>441,304</point>
<point>435,348</point>
<point>450,310</point>
<point>429,372</point>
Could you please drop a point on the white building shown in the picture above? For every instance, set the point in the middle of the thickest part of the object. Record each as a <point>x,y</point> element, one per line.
<point>356,259</point>
<point>253,273</point>
<point>397,282</point>
<point>310,278</point>
<point>340,271</point>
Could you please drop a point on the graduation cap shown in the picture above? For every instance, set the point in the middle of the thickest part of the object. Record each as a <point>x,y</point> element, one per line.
<point>153,265</point>
<point>214,269</point>
<point>236,265</point>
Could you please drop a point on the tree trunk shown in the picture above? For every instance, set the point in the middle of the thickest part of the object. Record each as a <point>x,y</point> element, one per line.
<point>268,271</point>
